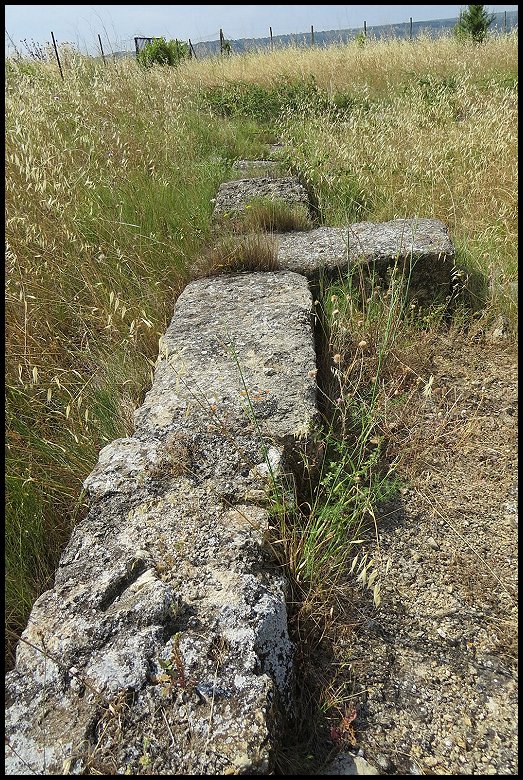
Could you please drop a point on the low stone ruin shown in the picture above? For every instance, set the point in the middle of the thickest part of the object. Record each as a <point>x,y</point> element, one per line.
<point>163,646</point>
<point>421,248</point>
<point>167,623</point>
<point>234,196</point>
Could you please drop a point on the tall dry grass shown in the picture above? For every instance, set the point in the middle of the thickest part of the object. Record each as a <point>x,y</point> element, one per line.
<point>109,180</point>
<point>376,70</point>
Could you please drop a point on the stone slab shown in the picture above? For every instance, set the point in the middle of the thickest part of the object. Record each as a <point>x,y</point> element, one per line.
<point>262,167</point>
<point>233,196</point>
<point>421,246</point>
<point>238,355</point>
<point>163,646</point>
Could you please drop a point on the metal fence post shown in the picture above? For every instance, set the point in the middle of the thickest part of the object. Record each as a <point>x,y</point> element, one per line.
<point>57,57</point>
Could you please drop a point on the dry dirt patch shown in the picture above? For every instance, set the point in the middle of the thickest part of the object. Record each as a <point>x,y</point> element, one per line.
<point>435,668</point>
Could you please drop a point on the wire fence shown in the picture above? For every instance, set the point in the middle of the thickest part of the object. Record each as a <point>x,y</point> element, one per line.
<point>219,44</point>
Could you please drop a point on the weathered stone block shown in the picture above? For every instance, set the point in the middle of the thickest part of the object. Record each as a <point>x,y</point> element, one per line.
<point>259,168</point>
<point>233,196</point>
<point>421,247</point>
<point>237,358</point>
<point>163,647</point>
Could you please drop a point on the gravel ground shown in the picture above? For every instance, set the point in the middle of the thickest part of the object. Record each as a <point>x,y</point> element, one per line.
<point>435,667</point>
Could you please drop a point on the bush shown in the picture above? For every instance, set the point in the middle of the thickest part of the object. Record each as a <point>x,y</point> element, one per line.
<point>162,52</point>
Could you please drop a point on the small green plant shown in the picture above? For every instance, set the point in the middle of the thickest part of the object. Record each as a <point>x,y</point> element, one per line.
<point>145,758</point>
<point>173,675</point>
<point>352,484</point>
<point>162,52</point>
<point>361,40</point>
<point>473,24</point>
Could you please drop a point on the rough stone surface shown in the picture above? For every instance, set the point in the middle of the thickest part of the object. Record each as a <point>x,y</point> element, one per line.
<point>228,367</point>
<point>420,245</point>
<point>233,196</point>
<point>163,646</point>
<point>260,167</point>
<point>347,764</point>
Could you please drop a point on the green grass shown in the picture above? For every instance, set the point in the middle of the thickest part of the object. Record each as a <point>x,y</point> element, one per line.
<point>352,478</point>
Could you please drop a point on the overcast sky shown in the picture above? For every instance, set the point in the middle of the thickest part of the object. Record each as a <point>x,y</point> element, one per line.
<point>118,24</point>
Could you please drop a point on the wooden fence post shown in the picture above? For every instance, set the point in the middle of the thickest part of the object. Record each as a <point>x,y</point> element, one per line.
<point>221,41</point>
<point>365,29</point>
<point>410,35</point>
<point>57,57</point>
<point>270,31</point>
<point>312,35</point>
<point>191,50</point>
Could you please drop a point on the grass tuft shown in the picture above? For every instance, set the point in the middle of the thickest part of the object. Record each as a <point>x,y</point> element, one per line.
<point>267,215</point>
<point>232,254</point>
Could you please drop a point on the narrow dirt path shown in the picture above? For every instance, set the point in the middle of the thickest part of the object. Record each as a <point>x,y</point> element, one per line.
<point>435,667</point>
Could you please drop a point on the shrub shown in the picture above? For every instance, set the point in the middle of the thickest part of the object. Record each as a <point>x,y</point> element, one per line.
<point>162,52</point>
<point>361,40</point>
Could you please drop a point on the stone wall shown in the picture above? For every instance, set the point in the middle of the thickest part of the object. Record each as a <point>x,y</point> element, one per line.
<point>163,647</point>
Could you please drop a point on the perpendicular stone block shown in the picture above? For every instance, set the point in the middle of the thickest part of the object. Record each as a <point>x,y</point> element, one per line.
<point>421,247</point>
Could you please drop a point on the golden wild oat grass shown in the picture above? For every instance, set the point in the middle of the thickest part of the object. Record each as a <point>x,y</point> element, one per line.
<point>109,179</point>
<point>375,70</point>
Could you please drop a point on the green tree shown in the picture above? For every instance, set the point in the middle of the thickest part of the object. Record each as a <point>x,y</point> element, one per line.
<point>473,24</point>
<point>162,52</point>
